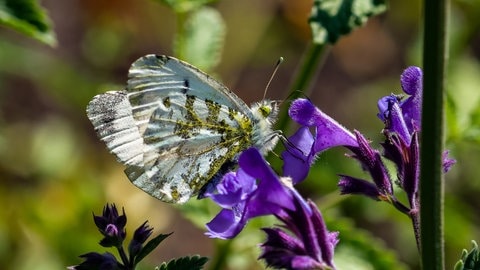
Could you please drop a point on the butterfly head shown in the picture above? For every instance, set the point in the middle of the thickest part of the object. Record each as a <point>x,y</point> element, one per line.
<point>266,110</point>
<point>264,116</point>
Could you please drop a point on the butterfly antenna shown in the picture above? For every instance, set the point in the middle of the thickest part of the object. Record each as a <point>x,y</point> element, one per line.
<point>280,60</point>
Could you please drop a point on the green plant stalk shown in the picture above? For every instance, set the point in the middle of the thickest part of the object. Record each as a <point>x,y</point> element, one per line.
<point>222,251</point>
<point>312,60</point>
<point>179,41</point>
<point>431,176</point>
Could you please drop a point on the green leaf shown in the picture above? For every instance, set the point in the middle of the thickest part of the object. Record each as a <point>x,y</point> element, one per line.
<point>201,41</point>
<point>331,19</point>
<point>150,246</point>
<point>27,17</point>
<point>191,263</point>
<point>470,260</point>
<point>182,6</point>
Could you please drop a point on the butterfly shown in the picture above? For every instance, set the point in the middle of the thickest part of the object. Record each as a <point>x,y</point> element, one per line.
<point>176,129</point>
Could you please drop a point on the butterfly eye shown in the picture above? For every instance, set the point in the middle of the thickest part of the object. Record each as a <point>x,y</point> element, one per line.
<point>265,110</point>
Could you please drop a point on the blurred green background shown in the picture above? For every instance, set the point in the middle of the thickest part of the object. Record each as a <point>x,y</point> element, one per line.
<point>54,171</point>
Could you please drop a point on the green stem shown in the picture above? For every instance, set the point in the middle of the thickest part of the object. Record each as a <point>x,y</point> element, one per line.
<point>431,176</point>
<point>221,254</point>
<point>311,63</point>
<point>128,264</point>
<point>179,41</point>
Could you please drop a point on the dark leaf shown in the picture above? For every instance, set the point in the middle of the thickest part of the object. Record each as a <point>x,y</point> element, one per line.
<point>150,246</point>
<point>331,19</point>
<point>184,263</point>
<point>27,17</point>
<point>470,260</point>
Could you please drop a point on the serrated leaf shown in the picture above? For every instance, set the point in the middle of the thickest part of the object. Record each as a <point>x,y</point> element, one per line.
<point>190,263</point>
<point>27,17</point>
<point>182,6</point>
<point>470,260</point>
<point>150,246</point>
<point>331,19</point>
<point>201,41</point>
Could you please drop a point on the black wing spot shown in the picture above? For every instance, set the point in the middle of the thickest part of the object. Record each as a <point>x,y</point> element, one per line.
<point>186,84</point>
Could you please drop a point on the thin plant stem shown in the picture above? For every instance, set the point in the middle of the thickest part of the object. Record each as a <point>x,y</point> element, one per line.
<point>221,254</point>
<point>311,62</point>
<point>431,176</point>
<point>179,41</point>
<point>128,264</point>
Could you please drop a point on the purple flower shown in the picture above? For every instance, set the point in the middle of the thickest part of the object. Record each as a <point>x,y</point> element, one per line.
<point>410,108</point>
<point>308,246</point>
<point>140,235</point>
<point>303,147</point>
<point>242,198</point>
<point>402,118</point>
<point>329,133</point>
<point>112,226</point>
<point>303,242</point>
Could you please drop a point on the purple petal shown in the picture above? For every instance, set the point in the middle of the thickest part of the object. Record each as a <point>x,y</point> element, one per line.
<point>411,80</point>
<point>329,132</point>
<point>326,240</point>
<point>372,162</point>
<point>412,171</point>
<point>271,194</point>
<point>304,112</point>
<point>269,197</point>
<point>352,185</point>
<point>306,263</point>
<point>299,155</point>
<point>396,123</point>
<point>225,225</point>
<point>234,188</point>
<point>280,248</point>
<point>447,162</point>
<point>277,238</point>
<point>384,105</point>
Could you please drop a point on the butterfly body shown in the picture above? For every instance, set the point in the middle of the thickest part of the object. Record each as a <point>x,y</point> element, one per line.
<point>175,128</point>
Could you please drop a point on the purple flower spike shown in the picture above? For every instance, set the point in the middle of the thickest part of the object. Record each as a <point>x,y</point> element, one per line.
<point>243,199</point>
<point>329,132</point>
<point>308,245</point>
<point>404,116</point>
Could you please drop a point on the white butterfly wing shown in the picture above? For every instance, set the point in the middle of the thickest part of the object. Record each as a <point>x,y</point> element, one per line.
<point>111,116</point>
<point>174,128</point>
<point>152,78</point>
<point>187,141</point>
